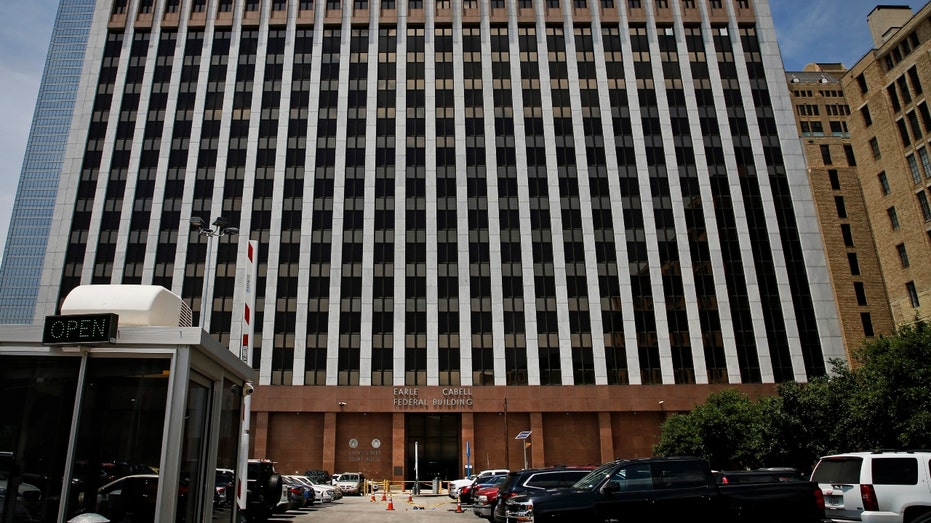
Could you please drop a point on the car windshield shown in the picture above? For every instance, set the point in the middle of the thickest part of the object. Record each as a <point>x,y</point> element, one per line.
<point>594,477</point>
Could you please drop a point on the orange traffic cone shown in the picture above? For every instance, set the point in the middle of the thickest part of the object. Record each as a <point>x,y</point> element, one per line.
<point>459,506</point>
<point>390,504</point>
<point>410,498</point>
<point>383,497</point>
<point>373,497</point>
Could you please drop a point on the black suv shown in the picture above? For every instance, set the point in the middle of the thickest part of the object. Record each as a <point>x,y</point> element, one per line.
<point>532,481</point>
<point>264,490</point>
<point>319,476</point>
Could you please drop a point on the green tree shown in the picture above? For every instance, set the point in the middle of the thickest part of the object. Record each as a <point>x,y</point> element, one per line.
<point>727,430</point>
<point>882,401</point>
<point>889,402</point>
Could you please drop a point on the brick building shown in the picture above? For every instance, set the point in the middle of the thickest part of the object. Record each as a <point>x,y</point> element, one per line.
<point>822,114</point>
<point>890,124</point>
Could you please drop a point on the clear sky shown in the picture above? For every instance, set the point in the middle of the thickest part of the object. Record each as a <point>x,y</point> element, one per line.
<point>808,31</point>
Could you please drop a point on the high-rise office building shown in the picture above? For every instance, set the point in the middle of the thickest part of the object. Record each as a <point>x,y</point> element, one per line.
<point>891,118</point>
<point>821,112</point>
<point>24,254</point>
<point>473,217</point>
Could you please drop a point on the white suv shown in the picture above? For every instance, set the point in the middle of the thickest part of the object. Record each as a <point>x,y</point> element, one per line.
<point>876,487</point>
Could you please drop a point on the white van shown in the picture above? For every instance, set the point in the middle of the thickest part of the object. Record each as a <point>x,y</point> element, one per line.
<point>352,483</point>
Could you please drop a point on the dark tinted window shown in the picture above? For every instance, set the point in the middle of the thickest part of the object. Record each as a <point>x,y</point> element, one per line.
<point>895,471</point>
<point>679,474</point>
<point>838,470</point>
<point>634,477</point>
<point>547,480</point>
<point>543,480</point>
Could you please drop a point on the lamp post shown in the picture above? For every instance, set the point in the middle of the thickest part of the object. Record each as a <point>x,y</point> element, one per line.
<point>218,229</point>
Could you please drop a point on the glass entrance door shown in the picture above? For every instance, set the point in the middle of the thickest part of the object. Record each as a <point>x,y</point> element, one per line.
<point>436,437</point>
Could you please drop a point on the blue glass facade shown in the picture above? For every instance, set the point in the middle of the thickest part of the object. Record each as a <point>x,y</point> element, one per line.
<point>21,270</point>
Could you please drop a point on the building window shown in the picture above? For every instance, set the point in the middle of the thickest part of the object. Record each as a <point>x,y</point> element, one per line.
<point>884,183</point>
<point>854,263</point>
<point>826,154</point>
<point>925,161</point>
<point>916,83</point>
<point>841,208</point>
<point>838,128</point>
<point>860,291</point>
<point>835,180</point>
<point>893,218</point>
<point>851,159</point>
<point>903,255</point>
<point>923,203</point>
<point>874,146</point>
<point>912,294</point>
<point>867,321</point>
<point>847,234</point>
<point>925,114</point>
<point>867,119</point>
<point>633,4</point>
<point>913,168</point>
<point>903,87</point>
<point>903,132</point>
<point>861,81</point>
<point>894,98</point>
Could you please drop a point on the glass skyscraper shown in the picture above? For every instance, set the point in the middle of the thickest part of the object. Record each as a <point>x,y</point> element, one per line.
<point>474,217</point>
<point>21,270</point>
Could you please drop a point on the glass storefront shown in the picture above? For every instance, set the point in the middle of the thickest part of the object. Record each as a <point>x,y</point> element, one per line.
<point>119,439</point>
<point>121,430</point>
<point>36,407</point>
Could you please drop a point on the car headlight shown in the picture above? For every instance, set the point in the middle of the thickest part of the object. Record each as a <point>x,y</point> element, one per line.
<point>482,499</point>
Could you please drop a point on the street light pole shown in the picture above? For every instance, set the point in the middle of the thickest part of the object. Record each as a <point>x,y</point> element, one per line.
<point>218,229</point>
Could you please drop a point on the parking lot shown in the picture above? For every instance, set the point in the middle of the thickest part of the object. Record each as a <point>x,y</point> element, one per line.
<point>354,508</point>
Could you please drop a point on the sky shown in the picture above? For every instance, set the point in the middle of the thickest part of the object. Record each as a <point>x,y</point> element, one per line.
<point>808,31</point>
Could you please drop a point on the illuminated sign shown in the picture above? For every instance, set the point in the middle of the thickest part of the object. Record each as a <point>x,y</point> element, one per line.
<point>80,329</point>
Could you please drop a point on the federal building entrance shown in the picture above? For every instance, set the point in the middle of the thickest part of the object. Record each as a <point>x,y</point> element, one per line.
<point>436,438</point>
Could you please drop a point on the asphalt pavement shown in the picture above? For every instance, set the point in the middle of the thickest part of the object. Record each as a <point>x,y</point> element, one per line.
<point>360,508</point>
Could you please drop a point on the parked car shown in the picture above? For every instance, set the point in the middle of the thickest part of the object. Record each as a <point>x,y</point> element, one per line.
<point>881,486</point>
<point>133,498</point>
<point>466,492</point>
<point>326,493</point>
<point>28,499</point>
<point>352,483</point>
<point>456,485</point>
<point>485,497</point>
<point>335,491</point>
<point>538,480</point>
<point>334,480</point>
<point>318,476</point>
<point>264,490</point>
<point>317,494</point>
<point>668,489</point>
<point>299,495</point>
